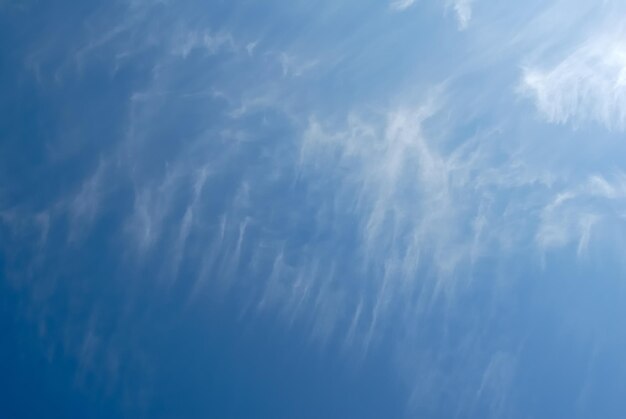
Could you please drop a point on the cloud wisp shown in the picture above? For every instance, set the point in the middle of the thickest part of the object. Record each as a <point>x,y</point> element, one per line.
<point>400,5</point>
<point>588,85</point>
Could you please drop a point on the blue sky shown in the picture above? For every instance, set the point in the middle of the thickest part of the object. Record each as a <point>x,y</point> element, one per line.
<point>245,209</point>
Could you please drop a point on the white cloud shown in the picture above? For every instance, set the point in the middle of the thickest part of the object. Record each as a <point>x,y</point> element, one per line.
<point>588,85</point>
<point>416,206</point>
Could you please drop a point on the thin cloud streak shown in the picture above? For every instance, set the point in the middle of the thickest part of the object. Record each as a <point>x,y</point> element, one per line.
<point>400,5</point>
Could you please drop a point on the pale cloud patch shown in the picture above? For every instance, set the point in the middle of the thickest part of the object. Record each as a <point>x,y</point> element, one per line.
<point>400,5</point>
<point>251,46</point>
<point>573,214</point>
<point>152,204</point>
<point>84,206</point>
<point>212,43</point>
<point>294,66</point>
<point>587,85</point>
<point>463,11</point>
<point>497,379</point>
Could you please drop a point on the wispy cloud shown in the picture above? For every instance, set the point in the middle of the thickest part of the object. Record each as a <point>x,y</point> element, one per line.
<point>212,43</point>
<point>400,5</point>
<point>293,66</point>
<point>84,206</point>
<point>587,85</point>
<point>416,207</point>
<point>463,11</point>
<point>573,213</point>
